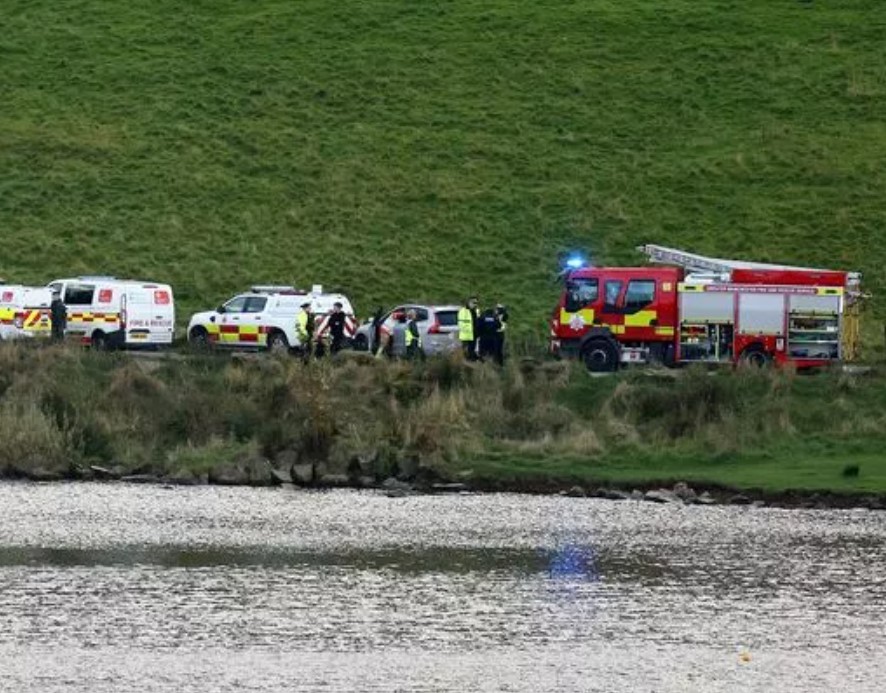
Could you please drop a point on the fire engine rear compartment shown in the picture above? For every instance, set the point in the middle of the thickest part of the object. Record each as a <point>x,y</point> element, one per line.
<point>718,322</point>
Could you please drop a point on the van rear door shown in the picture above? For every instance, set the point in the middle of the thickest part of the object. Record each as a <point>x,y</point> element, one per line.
<point>9,305</point>
<point>36,321</point>
<point>149,313</point>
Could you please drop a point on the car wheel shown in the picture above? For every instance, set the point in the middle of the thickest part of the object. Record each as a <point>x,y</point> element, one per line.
<point>360,343</point>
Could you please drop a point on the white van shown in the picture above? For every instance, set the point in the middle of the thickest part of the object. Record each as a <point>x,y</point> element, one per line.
<point>111,313</point>
<point>265,317</point>
<point>24,312</point>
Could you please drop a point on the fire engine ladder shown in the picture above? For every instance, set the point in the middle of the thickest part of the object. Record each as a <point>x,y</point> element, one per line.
<point>694,263</point>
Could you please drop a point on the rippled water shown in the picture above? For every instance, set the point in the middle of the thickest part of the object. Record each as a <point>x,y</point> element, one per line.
<point>142,588</point>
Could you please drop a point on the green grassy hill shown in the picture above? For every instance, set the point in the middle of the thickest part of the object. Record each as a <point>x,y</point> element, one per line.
<point>399,148</point>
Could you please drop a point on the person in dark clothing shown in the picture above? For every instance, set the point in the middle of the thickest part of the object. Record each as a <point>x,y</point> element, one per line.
<point>501,312</point>
<point>412,338</point>
<point>487,329</point>
<point>336,324</point>
<point>375,343</point>
<point>58,317</point>
<point>304,329</point>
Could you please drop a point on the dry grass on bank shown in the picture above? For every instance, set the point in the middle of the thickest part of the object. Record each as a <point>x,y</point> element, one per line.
<point>63,409</point>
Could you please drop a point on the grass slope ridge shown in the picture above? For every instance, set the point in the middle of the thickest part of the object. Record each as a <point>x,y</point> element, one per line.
<point>428,149</point>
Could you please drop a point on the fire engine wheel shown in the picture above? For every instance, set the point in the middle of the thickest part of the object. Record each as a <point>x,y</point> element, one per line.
<point>277,342</point>
<point>755,356</point>
<point>600,356</point>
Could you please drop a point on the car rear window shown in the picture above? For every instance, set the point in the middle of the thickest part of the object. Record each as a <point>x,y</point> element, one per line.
<point>447,318</point>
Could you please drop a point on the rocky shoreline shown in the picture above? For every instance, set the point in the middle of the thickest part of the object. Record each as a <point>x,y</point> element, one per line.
<point>313,476</point>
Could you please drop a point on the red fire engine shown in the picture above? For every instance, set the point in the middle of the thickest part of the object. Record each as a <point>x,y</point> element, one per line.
<point>706,310</point>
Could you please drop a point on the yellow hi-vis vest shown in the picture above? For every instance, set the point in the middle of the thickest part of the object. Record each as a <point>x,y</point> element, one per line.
<point>465,325</point>
<point>301,326</point>
<point>411,338</point>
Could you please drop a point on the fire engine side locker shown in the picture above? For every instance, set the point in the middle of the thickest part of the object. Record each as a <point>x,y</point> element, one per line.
<point>760,321</point>
<point>815,325</point>
<point>718,322</point>
<point>705,333</point>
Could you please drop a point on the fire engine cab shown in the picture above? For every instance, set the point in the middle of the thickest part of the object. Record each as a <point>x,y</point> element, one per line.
<point>706,310</point>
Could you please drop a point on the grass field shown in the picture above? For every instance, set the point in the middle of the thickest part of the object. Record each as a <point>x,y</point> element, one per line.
<point>776,473</point>
<point>400,149</point>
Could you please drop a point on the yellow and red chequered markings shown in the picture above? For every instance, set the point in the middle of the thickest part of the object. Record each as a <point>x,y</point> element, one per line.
<point>257,334</point>
<point>107,318</point>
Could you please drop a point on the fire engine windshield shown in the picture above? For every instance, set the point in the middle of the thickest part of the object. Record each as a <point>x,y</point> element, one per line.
<point>581,293</point>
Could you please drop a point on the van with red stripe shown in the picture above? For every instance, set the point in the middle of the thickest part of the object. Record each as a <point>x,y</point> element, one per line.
<point>106,312</point>
<point>24,312</point>
<point>265,318</point>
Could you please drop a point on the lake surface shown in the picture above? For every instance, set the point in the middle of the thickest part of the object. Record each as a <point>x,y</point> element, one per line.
<point>142,588</point>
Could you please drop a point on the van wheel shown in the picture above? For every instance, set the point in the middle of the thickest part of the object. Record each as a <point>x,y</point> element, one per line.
<point>755,356</point>
<point>199,339</point>
<point>277,342</point>
<point>99,341</point>
<point>600,356</point>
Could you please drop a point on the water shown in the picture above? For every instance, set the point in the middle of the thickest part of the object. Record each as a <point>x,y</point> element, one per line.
<point>140,588</point>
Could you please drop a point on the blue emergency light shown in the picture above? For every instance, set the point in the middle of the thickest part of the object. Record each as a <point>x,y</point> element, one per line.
<point>575,262</point>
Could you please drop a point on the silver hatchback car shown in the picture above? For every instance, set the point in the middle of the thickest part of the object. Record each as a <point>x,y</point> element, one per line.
<point>438,326</point>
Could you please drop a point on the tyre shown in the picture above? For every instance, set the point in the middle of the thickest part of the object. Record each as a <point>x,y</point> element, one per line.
<point>199,339</point>
<point>600,356</point>
<point>99,341</point>
<point>277,342</point>
<point>755,356</point>
<point>360,343</point>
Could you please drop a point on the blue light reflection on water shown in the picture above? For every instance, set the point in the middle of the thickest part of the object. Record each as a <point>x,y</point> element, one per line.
<point>573,562</point>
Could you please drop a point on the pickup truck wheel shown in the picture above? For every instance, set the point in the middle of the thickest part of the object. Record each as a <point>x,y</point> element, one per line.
<point>199,339</point>
<point>277,342</point>
<point>600,356</point>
